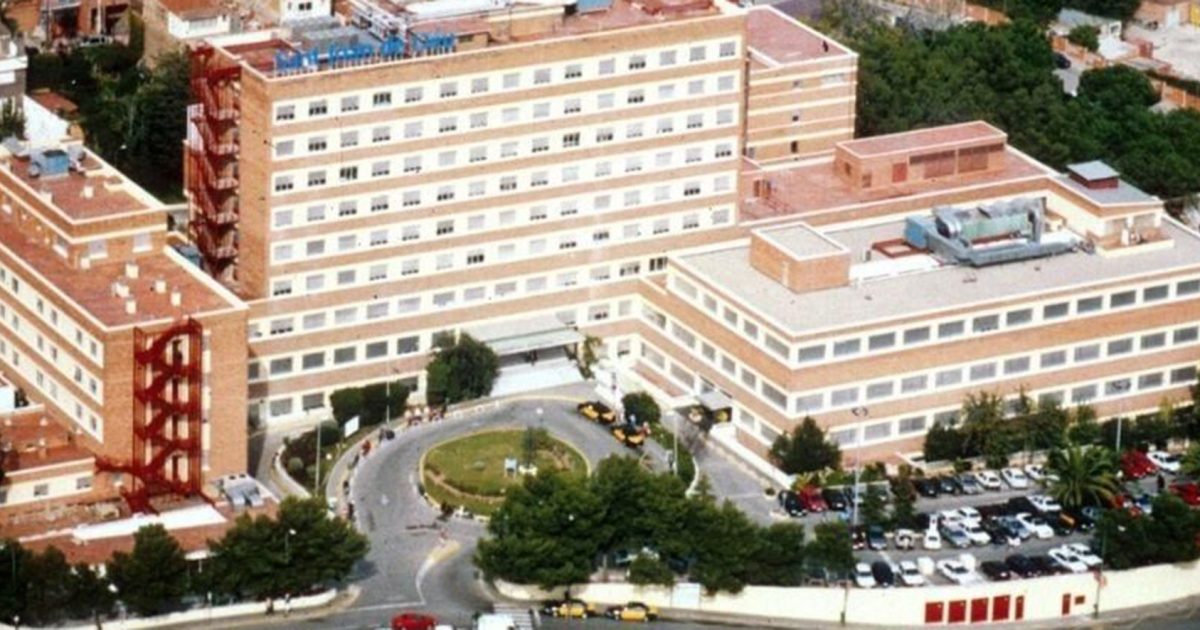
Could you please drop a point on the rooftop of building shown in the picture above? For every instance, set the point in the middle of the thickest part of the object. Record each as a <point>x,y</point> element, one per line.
<point>975,131</point>
<point>194,9</point>
<point>812,186</point>
<point>784,40</point>
<point>55,102</point>
<point>88,188</point>
<point>931,289</point>
<point>801,241</point>
<point>29,440</point>
<point>1122,193</point>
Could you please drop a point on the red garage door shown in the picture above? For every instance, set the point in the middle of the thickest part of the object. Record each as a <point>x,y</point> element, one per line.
<point>958,611</point>
<point>979,610</point>
<point>1000,605</point>
<point>935,612</point>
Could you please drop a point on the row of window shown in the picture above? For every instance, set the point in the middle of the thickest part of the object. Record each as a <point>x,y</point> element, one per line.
<point>438,160</point>
<point>64,325</point>
<point>68,404</point>
<point>387,97</point>
<point>63,362</point>
<point>411,304</point>
<point>500,117</point>
<point>935,332</point>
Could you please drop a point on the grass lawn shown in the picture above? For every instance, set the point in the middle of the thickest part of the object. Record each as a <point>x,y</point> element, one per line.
<point>469,471</point>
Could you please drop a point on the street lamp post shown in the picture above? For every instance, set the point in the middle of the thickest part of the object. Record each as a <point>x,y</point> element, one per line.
<point>854,499</point>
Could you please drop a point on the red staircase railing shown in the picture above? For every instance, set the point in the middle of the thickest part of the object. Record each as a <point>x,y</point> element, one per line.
<point>212,156</point>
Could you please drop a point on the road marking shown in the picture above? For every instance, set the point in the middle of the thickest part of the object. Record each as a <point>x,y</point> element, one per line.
<point>523,617</point>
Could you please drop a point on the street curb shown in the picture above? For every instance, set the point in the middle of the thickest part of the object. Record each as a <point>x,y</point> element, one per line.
<point>281,477</point>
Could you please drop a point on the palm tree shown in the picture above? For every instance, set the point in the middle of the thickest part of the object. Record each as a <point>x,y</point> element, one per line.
<point>1086,475</point>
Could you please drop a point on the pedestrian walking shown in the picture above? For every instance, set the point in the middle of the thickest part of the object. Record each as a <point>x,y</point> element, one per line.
<point>1162,483</point>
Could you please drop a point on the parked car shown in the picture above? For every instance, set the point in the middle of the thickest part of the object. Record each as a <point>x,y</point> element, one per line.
<point>910,575</point>
<point>876,539</point>
<point>1067,560</point>
<point>928,488</point>
<point>1035,472</point>
<point>1189,492</point>
<point>904,539</point>
<point>932,539</point>
<point>1015,478</point>
<point>413,621</point>
<point>629,435</point>
<point>633,611</point>
<point>1044,503</point>
<point>597,411</point>
<point>1045,565</point>
<point>1002,533</point>
<point>1078,520</point>
<point>948,485</point>
<point>569,609</point>
<point>883,574</point>
<point>989,480</point>
<point>1085,554</point>
<point>995,571</point>
<point>863,577</point>
<point>1036,524</point>
<point>1136,465</point>
<point>955,536</point>
<point>975,533</point>
<point>812,500</point>
<point>1017,527</point>
<point>1020,566</point>
<point>835,499</point>
<point>957,572</point>
<point>790,503</point>
<point>969,484</point>
<point>1165,461</point>
<point>858,538</point>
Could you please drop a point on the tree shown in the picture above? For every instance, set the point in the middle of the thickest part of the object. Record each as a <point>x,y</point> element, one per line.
<point>1117,88</point>
<point>904,499</point>
<point>943,443</point>
<point>90,597</point>
<point>246,561</point>
<point>1189,464</point>
<point>831,548</point>
<point>13,585</point>
<point>984,429</point>
<point>317,549</point>
<point>806,450</point>
<point>779,558</point>
<point>874,507</point>
<point>1086,475</point>
<point>151,579</point>
<point>1045,428</point>
<point>1167,534</point>
<point>1082,427</point>
<point>642,406</point>
<point>48,586</point>
<point>645,570</point>
<point>346,403</point>
<point>1086,36</point>
<point>462,369</point>
<point>12,120</point>
<point>724,542</point>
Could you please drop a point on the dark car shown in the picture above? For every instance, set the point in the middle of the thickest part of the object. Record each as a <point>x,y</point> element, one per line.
<point>883,574</point>
<point>1061,61</point>
<point>1080,521</point>
<point>927,488</point>
<point>1017,505</point>
<point>875,538</point>
<point>858,538</point>
<point>996,531</point>
<point>995,571</point>
<point>922,521</point>
<point>948,485</point>
<point>992,510</point>
<point>835,499</point>
<point>1020,566</point>
<point>1044,565</point>
<point>791,503</point>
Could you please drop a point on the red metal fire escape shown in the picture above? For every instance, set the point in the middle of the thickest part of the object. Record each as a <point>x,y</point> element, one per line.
<point>166,458</point>
<point>212,162</point>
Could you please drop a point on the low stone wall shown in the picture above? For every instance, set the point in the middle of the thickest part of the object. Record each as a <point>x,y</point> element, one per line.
<point>1040,599</point>
<point>205,615</point>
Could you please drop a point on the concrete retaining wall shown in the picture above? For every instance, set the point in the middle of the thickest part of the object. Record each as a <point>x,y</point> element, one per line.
<point>1042,599</point>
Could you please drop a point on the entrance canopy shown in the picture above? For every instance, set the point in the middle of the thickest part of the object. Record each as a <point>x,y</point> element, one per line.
<point>526,334</point>
<point>714,400</point>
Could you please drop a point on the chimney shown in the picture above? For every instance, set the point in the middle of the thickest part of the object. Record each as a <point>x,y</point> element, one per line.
<point>88,191</point>
<point>85,262</point>
<point>160,286</point>
<point>131,307</point>
<point>131,270</point>
<point>120,289</point>
<point>176,297</point>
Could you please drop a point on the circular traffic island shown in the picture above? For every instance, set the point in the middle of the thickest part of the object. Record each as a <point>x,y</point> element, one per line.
<point>475,471</point>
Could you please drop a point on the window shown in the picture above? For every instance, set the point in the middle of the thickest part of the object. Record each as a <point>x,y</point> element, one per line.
<point>448,89</point>
<point>697,53</point>
<point>987,323</point>
<point>413,95</point>
<point>917,383</point>
<point>414,129</point>
<point>380,99</point>
<point>1016,366</point>
<point>1118,387</point>
<point>725,84</point>
<point>479,120</point>
<point>1185,335</point>
<point>605,101</point>
<point>879,390</point>
<point>915,424</point>
<point>843,397</point>
<point>1118,347</point>
<point>637,62</point>
<point>635,96</point>
<point>847,347</point>
<point>541,76</point>
<point>410,267</point>
<point>1183,375</point>
<point>318,108</point>
<point>1018,317</point>
<point>947,378</point>
<point>447,158</point>
<point>728,49</point>
<point>314,361</point>
<point>447,124</point>
<point>287,147</point>
<point>1156,340</point>
<point>1187,287</point>
<point>1089,305</point>
<point>285,112</point>
<point>347,209</point>
<point>412,164</point>
<point>511,80</point>
<point>475,257</point>
<point>881,341</point>
<point>916,335</point>
<point>315,214</point>
<point>284,183</point>
<point>408,345</point>
<point>282,287</point>
<point>382,134</point>
<point>381,169</point>
<point>479,85</point>
<point>606,66</point>
<point>1154,294</point>
<point>1055,311</point>
<point>345,355</point>
<point>379,204</point>
<point>411,198</point>
<point>983,371</point>
<point>1083,394</point>
<point>377,273</point>
<point>666,58</point>
<point>949,330</point>
<point>570,140</point>
<point>1150,381</point>
<point>41,490</point>
<point>348,173</point>
<point>445,227</point>
<point>1123,299</point>
<point>1087,353</point>
<point>573,71</point>
<point>1053,359</point>
<point>281,366</point>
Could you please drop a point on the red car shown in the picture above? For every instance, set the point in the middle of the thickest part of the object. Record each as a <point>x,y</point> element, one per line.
<point>1136,465</point>
<point>812,500</point>
<point>413,621</point>
<point>1189,492</point>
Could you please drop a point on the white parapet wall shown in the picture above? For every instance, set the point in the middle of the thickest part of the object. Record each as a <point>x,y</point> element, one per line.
<point>1039,599</point>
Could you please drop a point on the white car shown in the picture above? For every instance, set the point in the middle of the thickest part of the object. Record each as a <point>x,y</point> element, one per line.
<point>1165,461</point>
<point>1063,557</point>
<point>989,480</point>
<point>1015,478</point>
<point>1085,554</point>
<point>932,540</point>
<point>970,515</point>
<point>957,572</point>
<point>1045,503</point>
<point>976,534</point>
<point>1036,525</point>
<point>909,574</point>
<point>904,539</point>
<point>1035,472</point>
<point>948,518</point>
<point>863,578</point>
<point>1017,527</point>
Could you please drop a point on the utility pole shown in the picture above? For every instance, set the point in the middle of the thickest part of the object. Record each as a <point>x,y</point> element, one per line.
<point>317,459</point>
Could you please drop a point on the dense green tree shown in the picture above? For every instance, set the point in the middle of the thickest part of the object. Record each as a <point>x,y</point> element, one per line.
<point>904,499</point>
<point>807,449</point>
<point>48,593</point>
<point>1086,475</point>
<point>1045,427</point>
<point>943,443</point>
<point>1082,428</point>
<point>1085,35</point>
<point>462,369</point>
<point>90,597</point>
<point>642,406</point>
<point>152,579</point>
<point>641,509</point>
<point>1168,534</point>
<point>873,510</point>
<point>247,559</point>
<point>13,585</point>
<point>547,532</point>
<point>984,428</point>
<point>317,548</point>
<point>1117,88</point>
<point>1189,464</point>
<point>779,558</point>
<point>646,570</point>
<point>724,542</point>
<point>831,548</point>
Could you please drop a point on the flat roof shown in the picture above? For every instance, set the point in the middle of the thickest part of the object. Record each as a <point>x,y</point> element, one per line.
<point>95,191</point>
<point>1123,193</point>
<point>24,432</point>
<point>1093,170</point>
<point>813,186</point>
<point>930,138</point>
<point>943,288</point>
<point>801,241</point>
<point>785,40</point>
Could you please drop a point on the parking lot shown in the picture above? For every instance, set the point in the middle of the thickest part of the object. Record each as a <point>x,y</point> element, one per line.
<point>991,551</point>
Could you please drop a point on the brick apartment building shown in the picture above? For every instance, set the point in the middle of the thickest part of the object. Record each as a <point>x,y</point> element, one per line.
<point>679,179</point>
<point>128,358</point>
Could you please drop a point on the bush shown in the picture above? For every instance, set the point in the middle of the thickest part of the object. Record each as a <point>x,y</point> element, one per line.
<point>295,465</point>
<point>642,406</point>
<point>645,570</point>
<point>370,403</point>
<point>462,369</point>
<point>1086,36</point>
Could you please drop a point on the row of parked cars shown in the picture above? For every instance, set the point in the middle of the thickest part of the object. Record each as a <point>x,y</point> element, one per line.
<point>1067,558</point>
<point>626,431</point>
<point>579,609</point>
